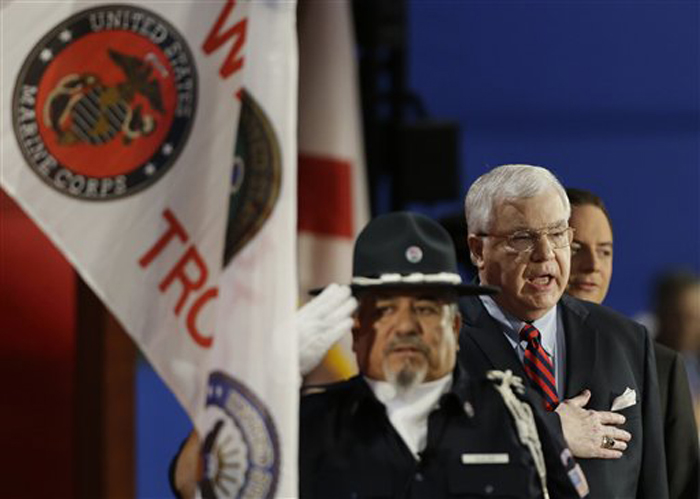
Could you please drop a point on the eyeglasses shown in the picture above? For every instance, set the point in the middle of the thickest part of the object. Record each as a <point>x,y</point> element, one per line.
<point>526,240</point>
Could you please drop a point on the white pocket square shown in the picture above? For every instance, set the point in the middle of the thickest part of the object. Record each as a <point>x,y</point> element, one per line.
<point>627,399</point>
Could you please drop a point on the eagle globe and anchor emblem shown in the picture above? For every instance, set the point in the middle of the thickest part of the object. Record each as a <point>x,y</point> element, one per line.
<point>82,109</point>
<point>104,103</point>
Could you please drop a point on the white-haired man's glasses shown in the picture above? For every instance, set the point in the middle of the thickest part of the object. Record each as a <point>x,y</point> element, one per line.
<point>523,241</point>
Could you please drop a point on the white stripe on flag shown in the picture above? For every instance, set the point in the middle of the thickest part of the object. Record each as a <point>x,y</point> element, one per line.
<point>332,156</point>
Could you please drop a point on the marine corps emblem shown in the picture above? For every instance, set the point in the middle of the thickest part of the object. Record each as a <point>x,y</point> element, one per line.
<point>104,103</point>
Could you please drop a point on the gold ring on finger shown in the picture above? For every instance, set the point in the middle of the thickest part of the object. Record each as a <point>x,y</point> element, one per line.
<point>608,442</point>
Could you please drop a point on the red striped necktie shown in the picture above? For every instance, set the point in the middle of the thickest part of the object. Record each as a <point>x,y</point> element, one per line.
<point>539,367</point>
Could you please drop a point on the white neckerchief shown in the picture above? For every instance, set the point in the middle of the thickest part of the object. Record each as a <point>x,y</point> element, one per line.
<point>549,326</point>
<point>408,411</point>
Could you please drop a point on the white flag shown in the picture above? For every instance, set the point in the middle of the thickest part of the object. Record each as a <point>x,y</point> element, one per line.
<point>250,428</point>
<point>333,205</point>
<point>118,133</point>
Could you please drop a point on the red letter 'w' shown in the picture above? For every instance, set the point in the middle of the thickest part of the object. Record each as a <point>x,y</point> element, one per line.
<point>215,39</point>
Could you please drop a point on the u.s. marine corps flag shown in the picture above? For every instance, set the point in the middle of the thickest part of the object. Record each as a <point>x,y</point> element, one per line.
<point>121,139</point>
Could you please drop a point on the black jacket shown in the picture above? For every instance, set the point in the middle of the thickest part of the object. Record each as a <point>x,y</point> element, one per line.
<point>606,353</point>
<point>679,425</point>
<point>349,449</point>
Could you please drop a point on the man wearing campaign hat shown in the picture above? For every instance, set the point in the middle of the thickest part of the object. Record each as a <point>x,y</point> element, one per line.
<point>412,423</point>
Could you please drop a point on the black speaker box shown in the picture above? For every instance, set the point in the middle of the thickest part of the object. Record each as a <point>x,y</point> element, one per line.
<point>428,163</point>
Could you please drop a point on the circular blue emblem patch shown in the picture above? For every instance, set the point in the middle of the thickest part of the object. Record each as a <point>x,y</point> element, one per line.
<point>241,446</point>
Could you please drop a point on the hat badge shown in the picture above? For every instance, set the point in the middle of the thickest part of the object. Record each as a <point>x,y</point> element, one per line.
<point>414,254</point>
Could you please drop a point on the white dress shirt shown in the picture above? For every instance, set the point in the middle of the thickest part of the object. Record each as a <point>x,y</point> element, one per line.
<point>551,330</point>
<point>408,411</point>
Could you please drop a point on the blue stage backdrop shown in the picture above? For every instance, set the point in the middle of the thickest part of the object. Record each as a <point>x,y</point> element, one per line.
<point>161,426</point>
<point>605,94</point>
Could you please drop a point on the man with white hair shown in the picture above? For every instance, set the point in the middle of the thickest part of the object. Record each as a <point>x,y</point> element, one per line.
<point>413,424</point>
<point>593,368</point>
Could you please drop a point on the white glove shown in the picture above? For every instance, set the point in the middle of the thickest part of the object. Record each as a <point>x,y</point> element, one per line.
<point>322,322</point>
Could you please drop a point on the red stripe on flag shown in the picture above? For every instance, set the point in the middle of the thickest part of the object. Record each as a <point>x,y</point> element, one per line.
<point>325,196</point>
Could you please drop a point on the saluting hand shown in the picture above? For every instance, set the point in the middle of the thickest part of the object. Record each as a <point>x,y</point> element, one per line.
<point>322,322</point>
<point>588,432</point>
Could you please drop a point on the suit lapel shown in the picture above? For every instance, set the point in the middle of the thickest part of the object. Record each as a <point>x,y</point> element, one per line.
<point>580,337</point>
<point>581,340</point>
<point>487,333</point>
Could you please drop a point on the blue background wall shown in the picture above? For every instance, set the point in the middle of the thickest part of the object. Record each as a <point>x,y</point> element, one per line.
<point>161,426</point>
<point>606,94</point>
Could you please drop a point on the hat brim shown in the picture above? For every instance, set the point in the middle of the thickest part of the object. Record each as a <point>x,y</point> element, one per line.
<point>459,289</point>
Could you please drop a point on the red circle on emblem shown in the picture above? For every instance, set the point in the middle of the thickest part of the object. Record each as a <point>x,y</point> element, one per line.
<point>105,104</point>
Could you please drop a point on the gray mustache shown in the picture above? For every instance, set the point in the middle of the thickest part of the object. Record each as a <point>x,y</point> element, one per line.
<point>407,342</point>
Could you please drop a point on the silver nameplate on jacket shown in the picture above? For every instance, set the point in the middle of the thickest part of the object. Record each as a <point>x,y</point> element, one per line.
<point>485,458</point>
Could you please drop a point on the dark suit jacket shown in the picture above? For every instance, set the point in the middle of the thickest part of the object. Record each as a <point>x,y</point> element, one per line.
<point>606,353</point>
<point>679,425</point>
